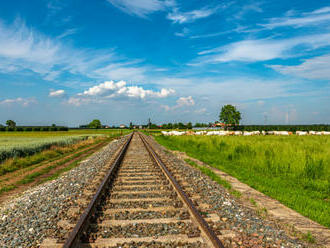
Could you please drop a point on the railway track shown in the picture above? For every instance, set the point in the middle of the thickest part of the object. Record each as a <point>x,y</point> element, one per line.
<point>140,204</point>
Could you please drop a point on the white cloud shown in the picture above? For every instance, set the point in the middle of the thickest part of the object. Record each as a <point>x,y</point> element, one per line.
<point>264,49</point>
<point>56,93</point>
<point>140,8</point>
<point>183,17</point>
<point>21,101</point>
<point>181,102</point>
<point>315,17</point>
<point>111,89</point>
<point>185,101</point>
<point>314,68</point>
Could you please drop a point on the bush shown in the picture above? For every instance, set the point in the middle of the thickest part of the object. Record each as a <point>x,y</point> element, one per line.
<point>45,129</point>
<point>28,129</point>
<point>19,129</point>
<point>36,128</point>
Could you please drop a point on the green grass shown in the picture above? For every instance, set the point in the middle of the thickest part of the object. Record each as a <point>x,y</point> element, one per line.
<point>294,170</point>
<point>22,144</point>
<point>215,177</point>
<point>31,177</point>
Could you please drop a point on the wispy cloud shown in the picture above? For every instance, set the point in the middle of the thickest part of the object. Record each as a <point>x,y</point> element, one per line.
<point>263,49</point>
<point>177,16</point>
<point>56,93</point>
<point>313,68</point>
<point>67,32</point>
<point>251,7</point>
<point>140,8</point>
<point>24,48</point>
<point>183,33</point>
<point>119,71</point>
<point>20,101</point>
<point>111,89</point>
<point>315,17</point>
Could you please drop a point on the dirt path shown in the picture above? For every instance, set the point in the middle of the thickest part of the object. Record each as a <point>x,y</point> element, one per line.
<point>23,187</point>
<point>275,210</point>
<point>15,176</point>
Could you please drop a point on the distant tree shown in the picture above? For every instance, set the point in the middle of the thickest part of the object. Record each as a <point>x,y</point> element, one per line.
<point>11,123</point>
<point>189,125</point>
<point>169,125</point>
<point>230,115</point>
<point>130,125</point>
<point>53,125</point>
<point>181,125</point>
<point>95,124</point>
<point>153,126</point>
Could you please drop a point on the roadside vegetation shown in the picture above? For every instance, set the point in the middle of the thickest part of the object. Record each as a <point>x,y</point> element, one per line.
<point>17,172</point>
<point>294,170</point>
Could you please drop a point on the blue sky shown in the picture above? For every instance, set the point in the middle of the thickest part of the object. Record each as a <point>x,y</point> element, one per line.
<point>68,62</point>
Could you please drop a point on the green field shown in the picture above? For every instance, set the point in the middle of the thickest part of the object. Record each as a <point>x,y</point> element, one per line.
<point>294,170</point>
<point>21,144</point>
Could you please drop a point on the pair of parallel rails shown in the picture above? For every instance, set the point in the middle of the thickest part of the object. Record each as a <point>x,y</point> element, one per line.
<point>80,230</point>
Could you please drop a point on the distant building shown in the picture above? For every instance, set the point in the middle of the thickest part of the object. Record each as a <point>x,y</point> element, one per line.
<point>122,126</point>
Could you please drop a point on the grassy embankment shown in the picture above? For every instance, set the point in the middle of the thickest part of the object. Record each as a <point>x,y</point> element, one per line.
<point>48,160</point>
<point>294,170</point>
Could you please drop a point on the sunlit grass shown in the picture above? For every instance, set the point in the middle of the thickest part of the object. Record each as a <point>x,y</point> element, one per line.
<point>21,144</point>
<point>294,170</point>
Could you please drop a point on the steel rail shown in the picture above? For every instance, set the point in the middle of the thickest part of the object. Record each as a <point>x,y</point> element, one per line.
<point>193,211</point>
<point>82,224</point>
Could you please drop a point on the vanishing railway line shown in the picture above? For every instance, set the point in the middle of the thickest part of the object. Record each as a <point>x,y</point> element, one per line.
<point>140,204</point>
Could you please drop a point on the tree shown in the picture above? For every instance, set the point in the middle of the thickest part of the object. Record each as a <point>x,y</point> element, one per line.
<point>95,124</point>
<point>11,123</point>
<point>189,125</point>
<point>230,115</point>
<point>130,125</point>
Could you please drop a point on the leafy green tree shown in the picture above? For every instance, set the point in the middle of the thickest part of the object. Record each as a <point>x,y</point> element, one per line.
<point>189,125</point>
<point>130,125</point>
<point>95,124</point>
<point>230,115</point>
<point>181,125</point>
<point>11,123</point>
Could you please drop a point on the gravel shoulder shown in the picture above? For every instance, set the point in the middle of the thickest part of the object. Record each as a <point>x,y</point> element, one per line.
<point>241,221</point>
<point>290,219</point>
<point>26,220</point>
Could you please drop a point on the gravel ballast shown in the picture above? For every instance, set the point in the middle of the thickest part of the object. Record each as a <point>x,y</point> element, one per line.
<point>24,221</point>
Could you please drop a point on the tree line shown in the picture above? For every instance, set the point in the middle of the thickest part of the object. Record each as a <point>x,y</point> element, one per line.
<point>11,126</point>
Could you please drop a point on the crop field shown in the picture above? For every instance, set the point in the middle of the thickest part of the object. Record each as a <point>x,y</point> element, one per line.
<point>35,157</point>
<point>20,144</point>
<point>294,170</point>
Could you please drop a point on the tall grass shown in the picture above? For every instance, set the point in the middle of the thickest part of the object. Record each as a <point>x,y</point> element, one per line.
<point>294,170</point>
